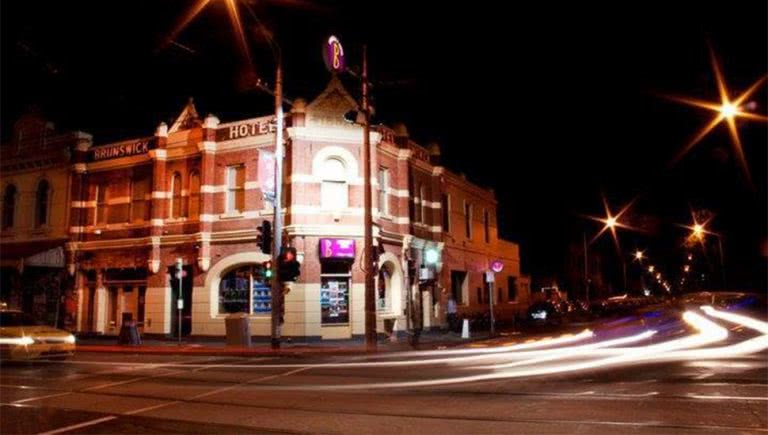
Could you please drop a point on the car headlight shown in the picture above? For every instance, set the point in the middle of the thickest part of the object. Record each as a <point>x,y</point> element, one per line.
<point>70,339</point>
<point>17,341</point>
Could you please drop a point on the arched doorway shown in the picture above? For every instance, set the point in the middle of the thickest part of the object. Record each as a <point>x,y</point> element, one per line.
<point>389,286</point>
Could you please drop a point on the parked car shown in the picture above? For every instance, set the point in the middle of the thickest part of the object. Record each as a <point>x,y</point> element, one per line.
<point>545,313</point>
<point>22,338</point>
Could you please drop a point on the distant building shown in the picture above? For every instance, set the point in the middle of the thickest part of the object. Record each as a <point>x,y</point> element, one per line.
<point>193,191</point>
<point>34,178</point>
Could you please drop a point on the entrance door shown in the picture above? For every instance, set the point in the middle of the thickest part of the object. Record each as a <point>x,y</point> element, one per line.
<point>186,295</point>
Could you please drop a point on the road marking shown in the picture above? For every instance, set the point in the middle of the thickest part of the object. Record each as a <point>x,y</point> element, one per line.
<point>216,391</point>
<point>747,398</point>
<point>80,425</point>
<point>32,399</point>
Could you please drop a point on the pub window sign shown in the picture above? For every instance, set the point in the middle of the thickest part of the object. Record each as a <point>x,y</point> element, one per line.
<point>337,248</point>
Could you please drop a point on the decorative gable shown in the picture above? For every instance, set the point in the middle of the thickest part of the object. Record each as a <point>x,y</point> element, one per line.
<point>188,118</point>
<point>330,106</point>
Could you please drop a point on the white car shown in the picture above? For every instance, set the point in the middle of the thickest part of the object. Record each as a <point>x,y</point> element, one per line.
<point>21,338</point>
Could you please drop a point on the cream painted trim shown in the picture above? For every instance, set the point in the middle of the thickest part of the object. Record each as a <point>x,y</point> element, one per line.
<point>324,230</point>
<point>157,222</point>
<point>83,204</point>
<point>79,167</point>
<point>404,154</point>
<point>213,188</point>
<point>251,185</point>
<point>344,134</point>
<point>158,194</point>
<point>213,276</point>
<point>207,146</point>
<point>119,200</point>
<point>158,154</point>
<point>400,193</point>
<point>118,163</point>
<point>332,151</point>
<point>438,170</point>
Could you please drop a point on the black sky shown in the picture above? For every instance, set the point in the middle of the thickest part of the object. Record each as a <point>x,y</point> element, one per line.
<point>551,104</point>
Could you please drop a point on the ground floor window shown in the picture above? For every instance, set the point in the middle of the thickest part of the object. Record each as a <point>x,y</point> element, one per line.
<point>334,292</point>
<point>458,283</point>
<point>245,290</point>
<point>385,285</point>
<point>512,288</point>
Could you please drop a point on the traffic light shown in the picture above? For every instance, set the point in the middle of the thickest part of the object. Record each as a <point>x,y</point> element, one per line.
<point>264,238</point>
<point>288,268</point>
<point>267,265</point>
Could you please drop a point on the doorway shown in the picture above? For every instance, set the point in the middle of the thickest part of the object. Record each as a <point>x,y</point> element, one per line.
<point>186,296</point>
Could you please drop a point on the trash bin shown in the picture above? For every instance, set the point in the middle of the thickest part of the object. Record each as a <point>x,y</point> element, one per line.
<point>129,334</point>
<point>238,330</point>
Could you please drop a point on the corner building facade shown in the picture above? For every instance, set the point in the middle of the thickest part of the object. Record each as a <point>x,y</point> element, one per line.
<point>193,191</point>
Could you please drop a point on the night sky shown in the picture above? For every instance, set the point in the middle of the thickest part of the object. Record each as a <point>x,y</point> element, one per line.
<point>551,104</point>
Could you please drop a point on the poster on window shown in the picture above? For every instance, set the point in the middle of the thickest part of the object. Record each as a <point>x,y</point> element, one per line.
<point>262,298</point>
<point>334,300</point>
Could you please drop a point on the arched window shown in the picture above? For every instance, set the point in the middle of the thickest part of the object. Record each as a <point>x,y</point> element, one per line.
<point>193,206</point>
<point>9,206</point>
<point>334,193</point>
<point>175,210</point>
<point>42,198</point>
<point>245,290</point>
<point>385,286</point>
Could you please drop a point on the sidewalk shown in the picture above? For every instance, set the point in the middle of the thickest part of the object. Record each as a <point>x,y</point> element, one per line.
<point>217,346</point>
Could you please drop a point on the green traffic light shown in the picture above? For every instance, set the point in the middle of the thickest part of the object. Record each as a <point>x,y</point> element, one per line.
<point>268,273</point>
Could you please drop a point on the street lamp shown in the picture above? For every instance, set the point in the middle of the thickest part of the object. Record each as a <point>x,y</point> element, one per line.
<point>639,255</point>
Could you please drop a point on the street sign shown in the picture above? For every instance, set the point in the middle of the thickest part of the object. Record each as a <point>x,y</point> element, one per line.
<point>333,55</point>
<point>266,174</point>
<point>490,276</point>
<point>497,266</point>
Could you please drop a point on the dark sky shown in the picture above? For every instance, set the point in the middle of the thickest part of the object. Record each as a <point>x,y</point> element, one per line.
<point>551,104</point>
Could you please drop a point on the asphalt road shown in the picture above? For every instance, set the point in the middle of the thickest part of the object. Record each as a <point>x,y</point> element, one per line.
<point>110,393</point>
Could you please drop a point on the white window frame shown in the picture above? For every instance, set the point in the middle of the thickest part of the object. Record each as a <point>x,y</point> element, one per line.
<point>233,188</point>
<point>338,181</point>
<point>383,191</point>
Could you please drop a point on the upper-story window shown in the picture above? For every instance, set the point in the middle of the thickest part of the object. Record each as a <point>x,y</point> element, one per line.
<point>424,203</point>
<point>194,195</point>
<point>468,220</point>
<point>417,216</point>
<point>102,206</point>
<point>139,206</point>
<point>445,206</point>
<point>9,206</point>
<point>383,195</point>
<point>486,226</point>
<point>42,198</point>
<point>176,209</point>
<point>235,189</point>
<point>334,194</point>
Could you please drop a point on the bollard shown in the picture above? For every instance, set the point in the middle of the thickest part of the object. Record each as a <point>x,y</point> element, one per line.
<point>465,329</point>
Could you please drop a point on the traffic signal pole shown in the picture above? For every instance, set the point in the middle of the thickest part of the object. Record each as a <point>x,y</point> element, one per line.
<point>370,295</point>
<point>277,291</point>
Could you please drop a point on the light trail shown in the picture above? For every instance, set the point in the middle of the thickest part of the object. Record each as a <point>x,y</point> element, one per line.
<point>540,357</point>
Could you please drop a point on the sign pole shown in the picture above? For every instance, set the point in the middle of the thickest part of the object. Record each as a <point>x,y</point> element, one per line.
<point>370,295</point>
<point>277,294</point>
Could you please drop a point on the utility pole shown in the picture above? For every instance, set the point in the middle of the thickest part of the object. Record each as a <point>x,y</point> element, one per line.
<point>586,268</point>
<point>368,266</point>
<point>277,291</point>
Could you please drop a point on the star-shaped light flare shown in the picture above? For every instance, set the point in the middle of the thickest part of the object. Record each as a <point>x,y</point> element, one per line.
<point>728,110</point>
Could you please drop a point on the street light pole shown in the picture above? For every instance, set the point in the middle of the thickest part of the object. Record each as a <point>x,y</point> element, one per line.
<point>277,293</point>
<point>586,267</point>
<point>368,266</point>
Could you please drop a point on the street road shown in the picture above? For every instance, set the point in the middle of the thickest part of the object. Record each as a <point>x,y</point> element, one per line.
<point>685,377</point>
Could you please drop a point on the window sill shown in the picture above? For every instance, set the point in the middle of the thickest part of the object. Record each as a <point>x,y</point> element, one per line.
<point>386,217</point>
<point>235,215</point>
<point>40,231</point>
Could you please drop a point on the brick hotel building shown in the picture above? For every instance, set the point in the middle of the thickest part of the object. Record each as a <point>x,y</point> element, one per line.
<point>191,191</point>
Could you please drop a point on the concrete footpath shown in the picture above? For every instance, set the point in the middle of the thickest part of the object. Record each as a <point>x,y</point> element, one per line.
<point>217,346</point>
